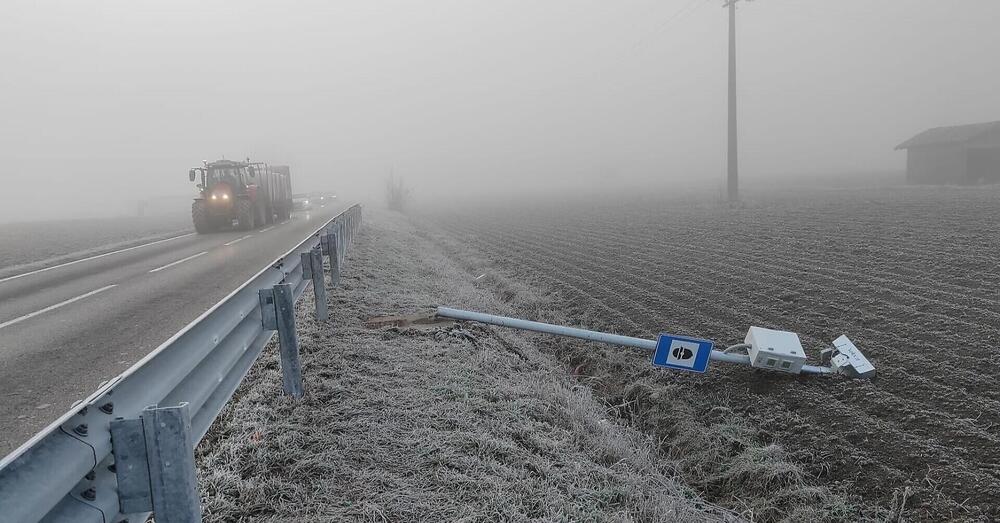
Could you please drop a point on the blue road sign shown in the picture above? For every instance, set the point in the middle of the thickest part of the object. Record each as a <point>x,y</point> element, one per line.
<point>682,353</point>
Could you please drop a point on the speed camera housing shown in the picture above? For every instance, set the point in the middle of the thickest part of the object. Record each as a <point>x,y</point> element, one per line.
<point>775,350</point>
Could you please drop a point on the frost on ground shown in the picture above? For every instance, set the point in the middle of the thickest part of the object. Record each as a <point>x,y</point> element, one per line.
<point>34,245</point>
<point>444,423</point>
<point>908,273</point>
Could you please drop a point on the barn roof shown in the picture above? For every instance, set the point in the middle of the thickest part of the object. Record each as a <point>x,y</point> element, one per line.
<point>953,134</point>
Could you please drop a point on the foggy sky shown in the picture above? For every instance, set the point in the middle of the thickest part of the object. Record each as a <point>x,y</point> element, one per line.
<point>112,101</point>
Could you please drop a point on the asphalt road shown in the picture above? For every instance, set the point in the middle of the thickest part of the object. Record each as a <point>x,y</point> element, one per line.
<point>66,329</point>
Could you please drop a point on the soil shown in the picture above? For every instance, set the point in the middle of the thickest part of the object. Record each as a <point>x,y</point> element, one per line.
<point>408,421</point>
<point>909,274</point>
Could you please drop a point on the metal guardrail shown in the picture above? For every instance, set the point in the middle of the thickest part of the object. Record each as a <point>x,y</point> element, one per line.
<point>67,472</point>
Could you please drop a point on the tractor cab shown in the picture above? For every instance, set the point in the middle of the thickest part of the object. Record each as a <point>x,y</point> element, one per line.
<point>235,176</point>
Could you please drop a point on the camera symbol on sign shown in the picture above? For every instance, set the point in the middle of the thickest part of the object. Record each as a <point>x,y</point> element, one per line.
<point>682,353</point>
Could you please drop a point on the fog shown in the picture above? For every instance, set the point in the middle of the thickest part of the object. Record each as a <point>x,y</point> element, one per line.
<point>106,103</point>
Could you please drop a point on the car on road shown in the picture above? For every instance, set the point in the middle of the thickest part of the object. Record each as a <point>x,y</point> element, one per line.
<point>301,203</point>
<point>322,198</point>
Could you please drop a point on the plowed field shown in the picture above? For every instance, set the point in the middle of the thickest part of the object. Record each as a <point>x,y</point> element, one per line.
<point>911,275</point>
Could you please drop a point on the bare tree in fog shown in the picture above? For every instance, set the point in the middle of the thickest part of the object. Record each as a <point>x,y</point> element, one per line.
<point>397,194</point>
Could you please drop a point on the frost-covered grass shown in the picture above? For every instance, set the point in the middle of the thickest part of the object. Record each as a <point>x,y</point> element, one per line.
<point>31,245</point>
<point>436,424</point>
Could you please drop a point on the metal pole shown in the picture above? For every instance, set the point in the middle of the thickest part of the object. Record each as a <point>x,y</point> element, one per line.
<point>732,156</point>
<point>342,248</point>
<point>602,337</point>
<point>291,367</point>
<point>170,454</point>
<point>319,285</point>
<point>331,241</point>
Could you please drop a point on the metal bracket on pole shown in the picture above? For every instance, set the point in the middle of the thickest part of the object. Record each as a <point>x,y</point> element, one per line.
<point>268,316</point>
<point>154,465</point>
<point>306,260</point>
<point>131,466</point>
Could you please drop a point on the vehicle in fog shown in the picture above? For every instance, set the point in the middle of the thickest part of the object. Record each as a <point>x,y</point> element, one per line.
<point>321,198</point>
<point>301,202</point>
<point>241,194</point>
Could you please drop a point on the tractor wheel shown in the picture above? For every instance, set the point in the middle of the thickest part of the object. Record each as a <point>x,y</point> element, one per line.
<point>244,215</point>
<point>199,215</point>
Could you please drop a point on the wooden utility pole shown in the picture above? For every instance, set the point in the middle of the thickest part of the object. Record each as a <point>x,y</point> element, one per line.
<point>732,156</point>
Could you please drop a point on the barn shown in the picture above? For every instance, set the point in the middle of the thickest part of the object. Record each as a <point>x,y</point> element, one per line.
<point>957,155</point>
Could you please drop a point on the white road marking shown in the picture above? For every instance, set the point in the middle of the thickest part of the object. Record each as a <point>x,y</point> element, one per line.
<point>94,257</point>
<point>178,262</point>
<point>268,229</point>
<point>53,307</point>
<point>237,240</point>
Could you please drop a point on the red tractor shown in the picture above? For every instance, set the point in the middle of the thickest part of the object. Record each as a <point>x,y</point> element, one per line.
<point>241,194</point>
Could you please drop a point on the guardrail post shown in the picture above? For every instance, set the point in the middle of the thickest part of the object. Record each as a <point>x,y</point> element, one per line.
<point>319,282</point>
<point>341,245</point>
<point>331,241</point>
<point>154,464</point>
<point>347,241</point>
<point>291,367</point>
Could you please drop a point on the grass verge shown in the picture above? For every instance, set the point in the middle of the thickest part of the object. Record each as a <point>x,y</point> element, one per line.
<point>455,423</point>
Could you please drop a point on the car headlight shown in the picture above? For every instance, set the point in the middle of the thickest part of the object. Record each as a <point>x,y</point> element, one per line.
<point>214,197</point>
<point>225,196</point>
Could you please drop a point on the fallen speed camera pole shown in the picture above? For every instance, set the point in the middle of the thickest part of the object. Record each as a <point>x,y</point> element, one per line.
<point>767,349</point>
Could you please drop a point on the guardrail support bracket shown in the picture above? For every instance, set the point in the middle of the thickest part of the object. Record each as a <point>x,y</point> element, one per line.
<point>154,465</point>
<point>268,316</point>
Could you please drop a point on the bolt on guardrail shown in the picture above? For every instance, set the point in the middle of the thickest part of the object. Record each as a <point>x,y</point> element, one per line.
<point>83,467</point>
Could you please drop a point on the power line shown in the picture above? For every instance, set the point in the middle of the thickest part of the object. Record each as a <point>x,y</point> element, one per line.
<point>683,12</point>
